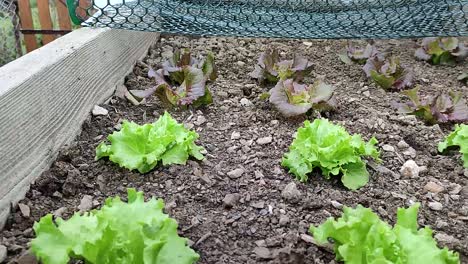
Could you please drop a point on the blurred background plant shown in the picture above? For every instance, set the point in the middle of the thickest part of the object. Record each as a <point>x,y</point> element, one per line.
<point>10,43</point>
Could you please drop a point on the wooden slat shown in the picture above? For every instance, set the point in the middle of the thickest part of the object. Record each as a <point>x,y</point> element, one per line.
<point>26,22</point>
<point>44,18</point>
<point>46,95</point>
<point>62,13</point>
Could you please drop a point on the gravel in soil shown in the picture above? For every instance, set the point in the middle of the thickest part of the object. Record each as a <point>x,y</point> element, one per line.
<point>239,205</point>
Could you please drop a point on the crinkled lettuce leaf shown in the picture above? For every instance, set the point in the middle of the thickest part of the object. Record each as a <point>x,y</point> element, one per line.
<point>439,50</point>
<point>292,98</point>
<point>388,73</point>
<point>333,150</point>
<point>357,54</point>
<point>182,81</point>
<point>441,108</point>
<point>459,137</point>
<point>360,236</point>
<point>141,147</point>
<point>134,232</point>
<point>270,69</point>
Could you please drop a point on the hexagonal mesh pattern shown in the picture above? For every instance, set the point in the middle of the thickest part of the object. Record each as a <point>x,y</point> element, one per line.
<point>280,18</point>
<point>10,47</point>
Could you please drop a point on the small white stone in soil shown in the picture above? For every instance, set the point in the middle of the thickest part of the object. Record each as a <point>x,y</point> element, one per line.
<point>235,135</point>
<point>410,169</point>
<point>86,203</point>
<point>436,206</point>
<point>245,102</point>
<point>200,120</point>
<point>433,187</point>
<point>236,173</point>
<point>231,199</point>
<point>3,253</point>
<point>388,148</point>
<point>258,205</point>
<point>241,63</point>
<point>336,204</point>
<point>97,111</point>
<point>402,144</point>
<point>25,211</point>
<point>290,192</point>
<point>284,220</point>
<point>446,239</point>
<point>264,140</point>
<point>307,43</point>
<point>410,152</point>
<point>366,93</point>
<point>262,253</point>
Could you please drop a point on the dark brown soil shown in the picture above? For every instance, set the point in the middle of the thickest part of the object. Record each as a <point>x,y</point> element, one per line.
<point>262,217</point>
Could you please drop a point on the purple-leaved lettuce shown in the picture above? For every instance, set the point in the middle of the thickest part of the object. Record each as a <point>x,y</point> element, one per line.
<point>270,69</point>
<point>182,80</point>
<point>292,98</point>
<point>388,73</point>
<point>440,108</point>
<point>441,50</point>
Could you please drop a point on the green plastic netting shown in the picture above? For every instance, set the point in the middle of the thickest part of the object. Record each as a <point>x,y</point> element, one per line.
<point>279,18</point>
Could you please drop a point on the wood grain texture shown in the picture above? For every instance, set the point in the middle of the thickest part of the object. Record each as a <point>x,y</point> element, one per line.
<point>45,20</point>
<point>26,22</point>
<point>62,14</point>
<point>46,110</point>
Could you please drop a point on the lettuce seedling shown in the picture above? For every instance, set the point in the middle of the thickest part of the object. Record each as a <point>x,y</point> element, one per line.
<point>441,50</point>
<point>292,98</point>
<point>329,147</point>
<point>388,73</point>
<point>142,147</point>
<point>182,81</point>
<point>270,69</point>
<point>459,137</point>
<point>134,232</point>
<point>360,236</point>
<point>358,55</point>
<point>441,108</point>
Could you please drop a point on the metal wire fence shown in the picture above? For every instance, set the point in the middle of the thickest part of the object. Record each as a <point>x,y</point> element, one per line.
<point>10,45</point>
<point>279,18</point>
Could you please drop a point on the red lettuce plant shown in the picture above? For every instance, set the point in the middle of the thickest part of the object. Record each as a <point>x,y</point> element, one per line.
<point>388,73</point>
<point>441,108</point>
<point>292,98</point>
<point>441,50</point>
<point>182,80</point>
<point>358,55</point>
<point>270,69</point>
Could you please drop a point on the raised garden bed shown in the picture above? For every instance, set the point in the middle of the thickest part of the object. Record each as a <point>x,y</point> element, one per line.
<point>245,134</point>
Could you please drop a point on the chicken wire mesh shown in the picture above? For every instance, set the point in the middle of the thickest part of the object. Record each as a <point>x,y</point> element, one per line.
<point>10,47</point>
<point>279,18</point>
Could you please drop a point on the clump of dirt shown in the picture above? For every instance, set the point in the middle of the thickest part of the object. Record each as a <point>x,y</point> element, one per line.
<point>246,217</point>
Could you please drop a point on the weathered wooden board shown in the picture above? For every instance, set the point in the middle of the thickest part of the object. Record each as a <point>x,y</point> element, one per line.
<point>47,94</point>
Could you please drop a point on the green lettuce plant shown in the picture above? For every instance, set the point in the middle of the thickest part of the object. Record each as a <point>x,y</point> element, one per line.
<point>182,81</point>
<point>388,73</point>
<point>292,98</point>
<point>136,232</point>
<point>442,108</point>
<point>270,69</point>
<point>360,236</point>
<point>459,137</point>
<point>441,50</point>
<point>141,147</point>
<point>330,148</point>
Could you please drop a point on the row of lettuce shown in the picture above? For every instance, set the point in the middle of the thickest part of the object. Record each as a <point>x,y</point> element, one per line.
<point>139,231</point>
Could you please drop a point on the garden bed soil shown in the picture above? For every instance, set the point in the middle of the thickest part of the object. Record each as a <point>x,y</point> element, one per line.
<point>264,224</point>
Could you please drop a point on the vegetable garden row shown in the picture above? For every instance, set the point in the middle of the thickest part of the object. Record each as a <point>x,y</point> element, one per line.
<point>139,232</point>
